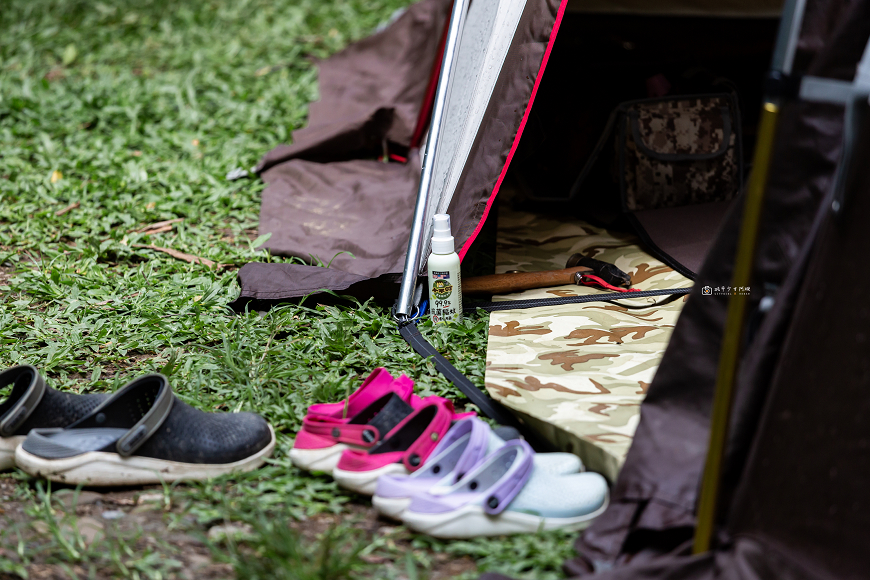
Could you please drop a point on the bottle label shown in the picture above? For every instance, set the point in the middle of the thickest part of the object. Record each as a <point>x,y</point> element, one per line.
<point>442,289</point>
<point>445,313</point>
<point>445,295</point>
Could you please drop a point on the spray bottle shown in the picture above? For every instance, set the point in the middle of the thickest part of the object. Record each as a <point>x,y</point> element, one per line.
<point>445,287</point>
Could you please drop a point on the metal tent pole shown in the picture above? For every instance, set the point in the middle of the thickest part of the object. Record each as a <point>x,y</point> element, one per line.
<point>418,227</point>
<point>783,58</point>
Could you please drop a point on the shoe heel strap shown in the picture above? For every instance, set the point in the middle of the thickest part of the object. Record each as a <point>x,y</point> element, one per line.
<point>18,413</point>
<point>385,414</point>
<point>363,435</point>
<point>503,493</point>
<point>478,443</point>
<point>151,421</point>
<point>422,447</point>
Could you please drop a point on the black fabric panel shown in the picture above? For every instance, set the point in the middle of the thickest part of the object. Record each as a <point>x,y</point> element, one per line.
<point>403,438</point>
<point>391,414</point>
<point>264,285</point>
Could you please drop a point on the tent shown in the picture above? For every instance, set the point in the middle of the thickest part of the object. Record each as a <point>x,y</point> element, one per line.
<point>329,199</point>
<point>793,500</point>
<point>794,480</point>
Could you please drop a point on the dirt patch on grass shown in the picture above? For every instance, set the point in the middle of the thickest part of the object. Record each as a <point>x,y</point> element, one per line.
<point>110,369</point>
<point>240,238</point>
<point>102,526</point>
<point>89,529</point>
<point>364,517</point>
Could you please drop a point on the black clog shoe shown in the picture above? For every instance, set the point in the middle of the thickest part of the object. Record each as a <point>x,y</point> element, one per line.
<point>144,434</point>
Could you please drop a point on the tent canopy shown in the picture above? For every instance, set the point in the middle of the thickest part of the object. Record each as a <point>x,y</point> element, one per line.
<point>330,200</point>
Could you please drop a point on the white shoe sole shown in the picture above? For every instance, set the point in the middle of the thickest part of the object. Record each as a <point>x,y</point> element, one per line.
<point>472,522</point>
<point>391,507</point>
<point>365,482</point>
<point>8,445</point>
<point>99,468</point>
<point>318,460</point>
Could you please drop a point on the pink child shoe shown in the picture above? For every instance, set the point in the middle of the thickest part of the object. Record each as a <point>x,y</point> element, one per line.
<point>376,385</point>
<point>402,451</point>
<point>322,440</point>
<point>377,406</point>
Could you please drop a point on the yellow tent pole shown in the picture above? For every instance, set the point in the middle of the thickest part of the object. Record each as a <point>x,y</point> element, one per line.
<point>729,355</point>
<point>733,336</point>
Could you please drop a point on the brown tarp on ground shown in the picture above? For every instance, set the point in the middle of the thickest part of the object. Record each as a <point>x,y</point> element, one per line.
<point>326,194</point>
<point>795,493</point>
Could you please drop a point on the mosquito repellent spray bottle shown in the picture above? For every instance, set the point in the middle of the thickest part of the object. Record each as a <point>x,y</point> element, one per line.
<point>445,287</point>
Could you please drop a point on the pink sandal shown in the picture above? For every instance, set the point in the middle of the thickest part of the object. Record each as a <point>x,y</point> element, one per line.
<point>376,385</point>
<point>322,440</point>
<point>378,405</point>
<point>402,451</point>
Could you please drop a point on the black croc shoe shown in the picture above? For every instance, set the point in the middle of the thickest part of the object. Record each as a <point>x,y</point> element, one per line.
<point>144,434</point>
<point>32,405</point>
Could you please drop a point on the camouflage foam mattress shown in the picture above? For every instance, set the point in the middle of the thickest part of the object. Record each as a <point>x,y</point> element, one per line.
<point>578,372</point>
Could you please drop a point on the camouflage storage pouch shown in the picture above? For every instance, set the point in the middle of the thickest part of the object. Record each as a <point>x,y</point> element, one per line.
<point>678,151</point>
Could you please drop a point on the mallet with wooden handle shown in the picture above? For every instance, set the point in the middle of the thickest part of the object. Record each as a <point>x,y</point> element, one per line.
<point>519,281</point>
<point>577,265</point>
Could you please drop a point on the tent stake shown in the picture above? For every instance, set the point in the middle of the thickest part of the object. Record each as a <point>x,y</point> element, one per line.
<point>783,58</point>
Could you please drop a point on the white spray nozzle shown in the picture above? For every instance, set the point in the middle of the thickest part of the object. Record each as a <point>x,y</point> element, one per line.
<point>442,240</point>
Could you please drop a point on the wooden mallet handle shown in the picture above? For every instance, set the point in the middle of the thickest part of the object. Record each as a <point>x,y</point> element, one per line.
<point>507,283</point>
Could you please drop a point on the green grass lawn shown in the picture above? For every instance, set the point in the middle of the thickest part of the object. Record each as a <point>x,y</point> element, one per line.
<point>114,116</point>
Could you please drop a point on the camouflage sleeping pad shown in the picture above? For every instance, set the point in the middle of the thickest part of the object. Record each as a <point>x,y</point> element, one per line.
<point>578,372</point>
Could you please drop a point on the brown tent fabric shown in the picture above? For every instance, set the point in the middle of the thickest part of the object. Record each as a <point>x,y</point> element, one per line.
<point>370,91</point>
<point>653,502</point>
<point>328,200</point>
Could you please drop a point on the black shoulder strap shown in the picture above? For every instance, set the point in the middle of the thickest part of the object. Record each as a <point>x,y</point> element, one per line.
<point>488,406</point>
<point>611,297</point>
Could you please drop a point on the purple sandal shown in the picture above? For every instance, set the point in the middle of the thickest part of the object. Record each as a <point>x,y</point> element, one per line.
<point>466,444</point>
<point>507,494</point>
